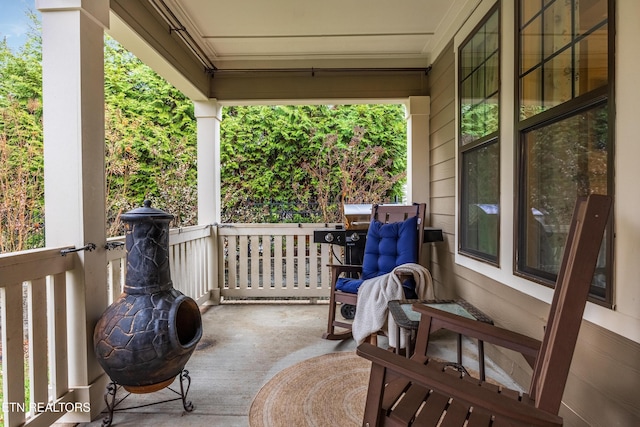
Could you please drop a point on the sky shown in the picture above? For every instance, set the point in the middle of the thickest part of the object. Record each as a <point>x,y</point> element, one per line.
<point>14,23</point>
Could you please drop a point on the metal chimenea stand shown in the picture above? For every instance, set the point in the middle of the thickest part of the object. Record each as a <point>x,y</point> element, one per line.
<point>144,339</point>
<point>112,404</point>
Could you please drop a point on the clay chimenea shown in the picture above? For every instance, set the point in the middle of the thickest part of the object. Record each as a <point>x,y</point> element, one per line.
<point>144,339</point>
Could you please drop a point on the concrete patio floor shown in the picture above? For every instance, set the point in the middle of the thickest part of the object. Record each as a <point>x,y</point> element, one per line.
<point>245,345</point>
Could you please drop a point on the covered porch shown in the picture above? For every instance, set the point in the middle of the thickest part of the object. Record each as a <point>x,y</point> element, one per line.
<point>369,54</point>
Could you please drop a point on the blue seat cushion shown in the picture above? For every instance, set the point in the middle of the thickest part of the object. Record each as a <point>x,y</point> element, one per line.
<point>351,285</point>
<point>348,284</point>
<point>387,246</point>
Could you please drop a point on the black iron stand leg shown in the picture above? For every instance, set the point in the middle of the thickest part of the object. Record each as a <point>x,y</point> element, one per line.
<point>481,359</point>
<point>184,376</point>
<point>110,400</point>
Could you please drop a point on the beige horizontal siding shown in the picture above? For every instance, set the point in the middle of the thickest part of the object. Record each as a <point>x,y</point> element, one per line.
<point>442,205</point>
<point>443,137</point>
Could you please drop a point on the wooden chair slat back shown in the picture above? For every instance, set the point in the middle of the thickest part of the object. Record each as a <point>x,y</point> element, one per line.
<point>579,260</point>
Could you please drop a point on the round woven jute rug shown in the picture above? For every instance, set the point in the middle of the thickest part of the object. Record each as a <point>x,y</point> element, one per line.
<point>328,390</point>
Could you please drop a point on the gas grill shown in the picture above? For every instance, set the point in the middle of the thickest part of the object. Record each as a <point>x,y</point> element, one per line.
<point>351,235</point>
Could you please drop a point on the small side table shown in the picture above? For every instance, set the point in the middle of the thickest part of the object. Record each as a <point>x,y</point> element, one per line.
<point>407,322</point>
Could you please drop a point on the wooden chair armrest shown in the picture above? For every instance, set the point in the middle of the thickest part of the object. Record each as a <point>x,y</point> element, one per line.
<point>345,268</point>
<point>439,319</point>
<point>521,413</point>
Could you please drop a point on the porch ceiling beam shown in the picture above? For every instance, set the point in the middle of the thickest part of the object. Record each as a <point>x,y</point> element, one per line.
<point>291,84</point>
<point>314,70</point>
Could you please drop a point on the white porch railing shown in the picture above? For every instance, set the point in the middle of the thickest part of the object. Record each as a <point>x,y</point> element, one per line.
<point>254,261</point>
<point>272,261</point>
<point>33,289</point>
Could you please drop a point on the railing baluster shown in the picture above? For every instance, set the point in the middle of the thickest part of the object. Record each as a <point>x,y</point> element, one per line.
<point>301,256</point>
<point>194,272</point>
<point>13,354</point>
<point>254,256</point>
<point>202,266</point>
<point>185,264</point>
<point>232,257</point>
<point>37,315</point>
<point>312,263</point>
<point>57,314</point>
<point>243,261</point>
<point>290,258</point>
<point>205,269</point>
<point>325,259</point>
<point>194,265</point>
<point>278,262</point>
<point>117,278</point>
<point>187,268</point>
<point>178,268</point>
<point>267,279</point>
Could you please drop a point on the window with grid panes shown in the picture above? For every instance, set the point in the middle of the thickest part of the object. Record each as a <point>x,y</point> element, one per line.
<point>564,129</point>
<point>478,112</point>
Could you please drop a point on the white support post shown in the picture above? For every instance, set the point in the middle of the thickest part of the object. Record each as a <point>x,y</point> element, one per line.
<point>73,95</point>
<point>419,159</point>
<point>208,115</point>
<point>418,162</point>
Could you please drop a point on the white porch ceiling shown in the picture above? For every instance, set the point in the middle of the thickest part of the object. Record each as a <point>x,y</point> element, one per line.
<point>267,34</point>
<point>277,49</point>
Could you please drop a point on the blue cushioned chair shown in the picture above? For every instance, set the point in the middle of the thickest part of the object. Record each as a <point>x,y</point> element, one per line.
<point>394,238</point>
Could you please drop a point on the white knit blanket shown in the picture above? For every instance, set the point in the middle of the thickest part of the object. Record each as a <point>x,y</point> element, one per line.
<point>374,296</point>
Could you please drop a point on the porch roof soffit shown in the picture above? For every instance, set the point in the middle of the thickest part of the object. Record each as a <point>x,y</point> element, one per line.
<point>143,32</point>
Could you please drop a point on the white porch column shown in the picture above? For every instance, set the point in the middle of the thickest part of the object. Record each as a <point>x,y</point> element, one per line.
<point>418,170</point>
<point>73,95</point>
<point>209,115</point>
<point>418,162</point>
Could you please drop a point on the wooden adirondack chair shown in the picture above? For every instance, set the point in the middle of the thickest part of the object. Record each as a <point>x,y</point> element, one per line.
<point>419,392</point>
<point>386,214</point>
